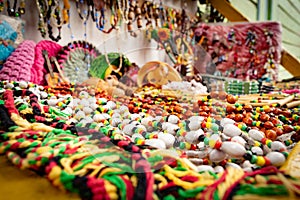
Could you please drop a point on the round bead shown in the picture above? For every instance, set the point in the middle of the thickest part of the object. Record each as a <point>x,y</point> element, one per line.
<point>260,161</point>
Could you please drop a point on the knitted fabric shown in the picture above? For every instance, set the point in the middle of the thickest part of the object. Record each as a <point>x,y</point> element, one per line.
<point>18,65</point>
<point>38,70</point>
<point>75,60</point>
<point>7,38</point>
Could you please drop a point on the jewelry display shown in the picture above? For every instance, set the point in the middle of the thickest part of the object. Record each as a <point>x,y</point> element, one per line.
<point>14,11</point>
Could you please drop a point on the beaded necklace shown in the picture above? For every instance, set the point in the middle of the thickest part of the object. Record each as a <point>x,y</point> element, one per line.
<point>42,9</point>
<point>14,12</point>
<point>54,12</point>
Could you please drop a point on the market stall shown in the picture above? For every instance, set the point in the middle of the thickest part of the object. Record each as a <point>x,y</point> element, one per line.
<point>211,121</point>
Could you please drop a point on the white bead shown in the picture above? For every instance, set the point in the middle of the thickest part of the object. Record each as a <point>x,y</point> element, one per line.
<point>106,116</point>
<point>197,119</point>
<point>44,95</point>
<point>122,109</point>
<point>170,128</point>
<point>194,125</point>
<point>256,134</point>
<point>225,121</point>
<point>233,149</point>
<point>68,111</point>
<point>134,116</point>
<point>158,118</point>
<point>23,84</point>
<point>217,156</point>
<point>236,166</point>
<point>167,138</point>
<point>112,105</point>
<point>278,146</point>
<point>98,118</point>
<point>218,169</point>
<point>87,110</point>
<point>94,106</point>
<point>83,94</point>
<point>84,103</point>
<point>157,143</point>
<point>205,168</point>
<point>239,140</point>
<point>196,161</point>
<point>128,129</point>
<point>140,126</point>
<point>247,163</point>
<point>173,119</point>
<point>116,115</point>
<point>52,102</point>
<point>145,121</point>
<point>277,159</point>
<point>9,86</point>
<point>102,100</point>
<point>92,100</point>
<point>115,122</point>
<point>192,137</point>
<point>257,151</point>
<point>80,114</point>
<point>231,130</point>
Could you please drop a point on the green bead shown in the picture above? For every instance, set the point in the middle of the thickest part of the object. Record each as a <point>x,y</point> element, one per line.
<point>253,159</point>
<point>206,141</point>
<point>182,145</point>
<point>214,127</point>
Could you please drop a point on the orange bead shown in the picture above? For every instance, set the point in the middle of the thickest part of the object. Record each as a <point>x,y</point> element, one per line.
<point>271,134</point>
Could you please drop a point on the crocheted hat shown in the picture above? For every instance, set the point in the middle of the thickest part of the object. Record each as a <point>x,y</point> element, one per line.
<point>7,38</point>
<point>38,70</point>
<point>18,65</point>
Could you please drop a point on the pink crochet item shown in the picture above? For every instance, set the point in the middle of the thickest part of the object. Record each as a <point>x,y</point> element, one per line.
<point>18,65</point>
<point>38,70</point>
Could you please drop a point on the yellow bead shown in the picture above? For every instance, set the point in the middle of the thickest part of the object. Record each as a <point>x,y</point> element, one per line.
<point>239,108</point>
<point>256,144</point>
<point>187,145</point>
<point>268,142</point>
<point>212,143</point>
<point>266,107</point>
<point>260,161</point>
<point>208,125</point>
<point>258,123</point>
<point>240,126</point>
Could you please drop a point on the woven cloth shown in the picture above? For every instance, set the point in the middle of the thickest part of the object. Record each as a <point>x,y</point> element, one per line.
<point>18,65</point>
<point>38,70</point>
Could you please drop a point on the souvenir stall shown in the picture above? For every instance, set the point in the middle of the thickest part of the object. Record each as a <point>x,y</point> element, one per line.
<point>202,116</point>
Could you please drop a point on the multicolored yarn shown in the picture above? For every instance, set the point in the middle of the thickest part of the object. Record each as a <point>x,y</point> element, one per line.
<point>18,65</point>
<point>38,71</point>
<point>96,162</point>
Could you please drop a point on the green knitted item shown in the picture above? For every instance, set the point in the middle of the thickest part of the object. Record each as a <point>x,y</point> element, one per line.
<point>99,65</point>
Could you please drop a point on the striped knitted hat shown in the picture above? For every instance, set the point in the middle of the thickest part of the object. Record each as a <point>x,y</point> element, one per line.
<point>18,65</point>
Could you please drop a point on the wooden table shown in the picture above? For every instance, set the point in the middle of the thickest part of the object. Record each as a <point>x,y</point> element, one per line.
<point>24,184</point>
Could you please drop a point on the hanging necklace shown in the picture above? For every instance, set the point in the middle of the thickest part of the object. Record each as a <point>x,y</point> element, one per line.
<point>66,12</point>
<point>13,11</point>
<point>42,10</point>
<point>54,12</point>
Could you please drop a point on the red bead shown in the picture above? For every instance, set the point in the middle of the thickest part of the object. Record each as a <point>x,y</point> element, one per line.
<point>218,145</point>
<point>267,161</point>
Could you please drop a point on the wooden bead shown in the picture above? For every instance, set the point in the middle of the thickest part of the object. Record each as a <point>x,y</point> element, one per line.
<point>271,134</point>
<point>264,117</point>
<point>268,125</point>
<point>239,117</point>
<point>231,99</point>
